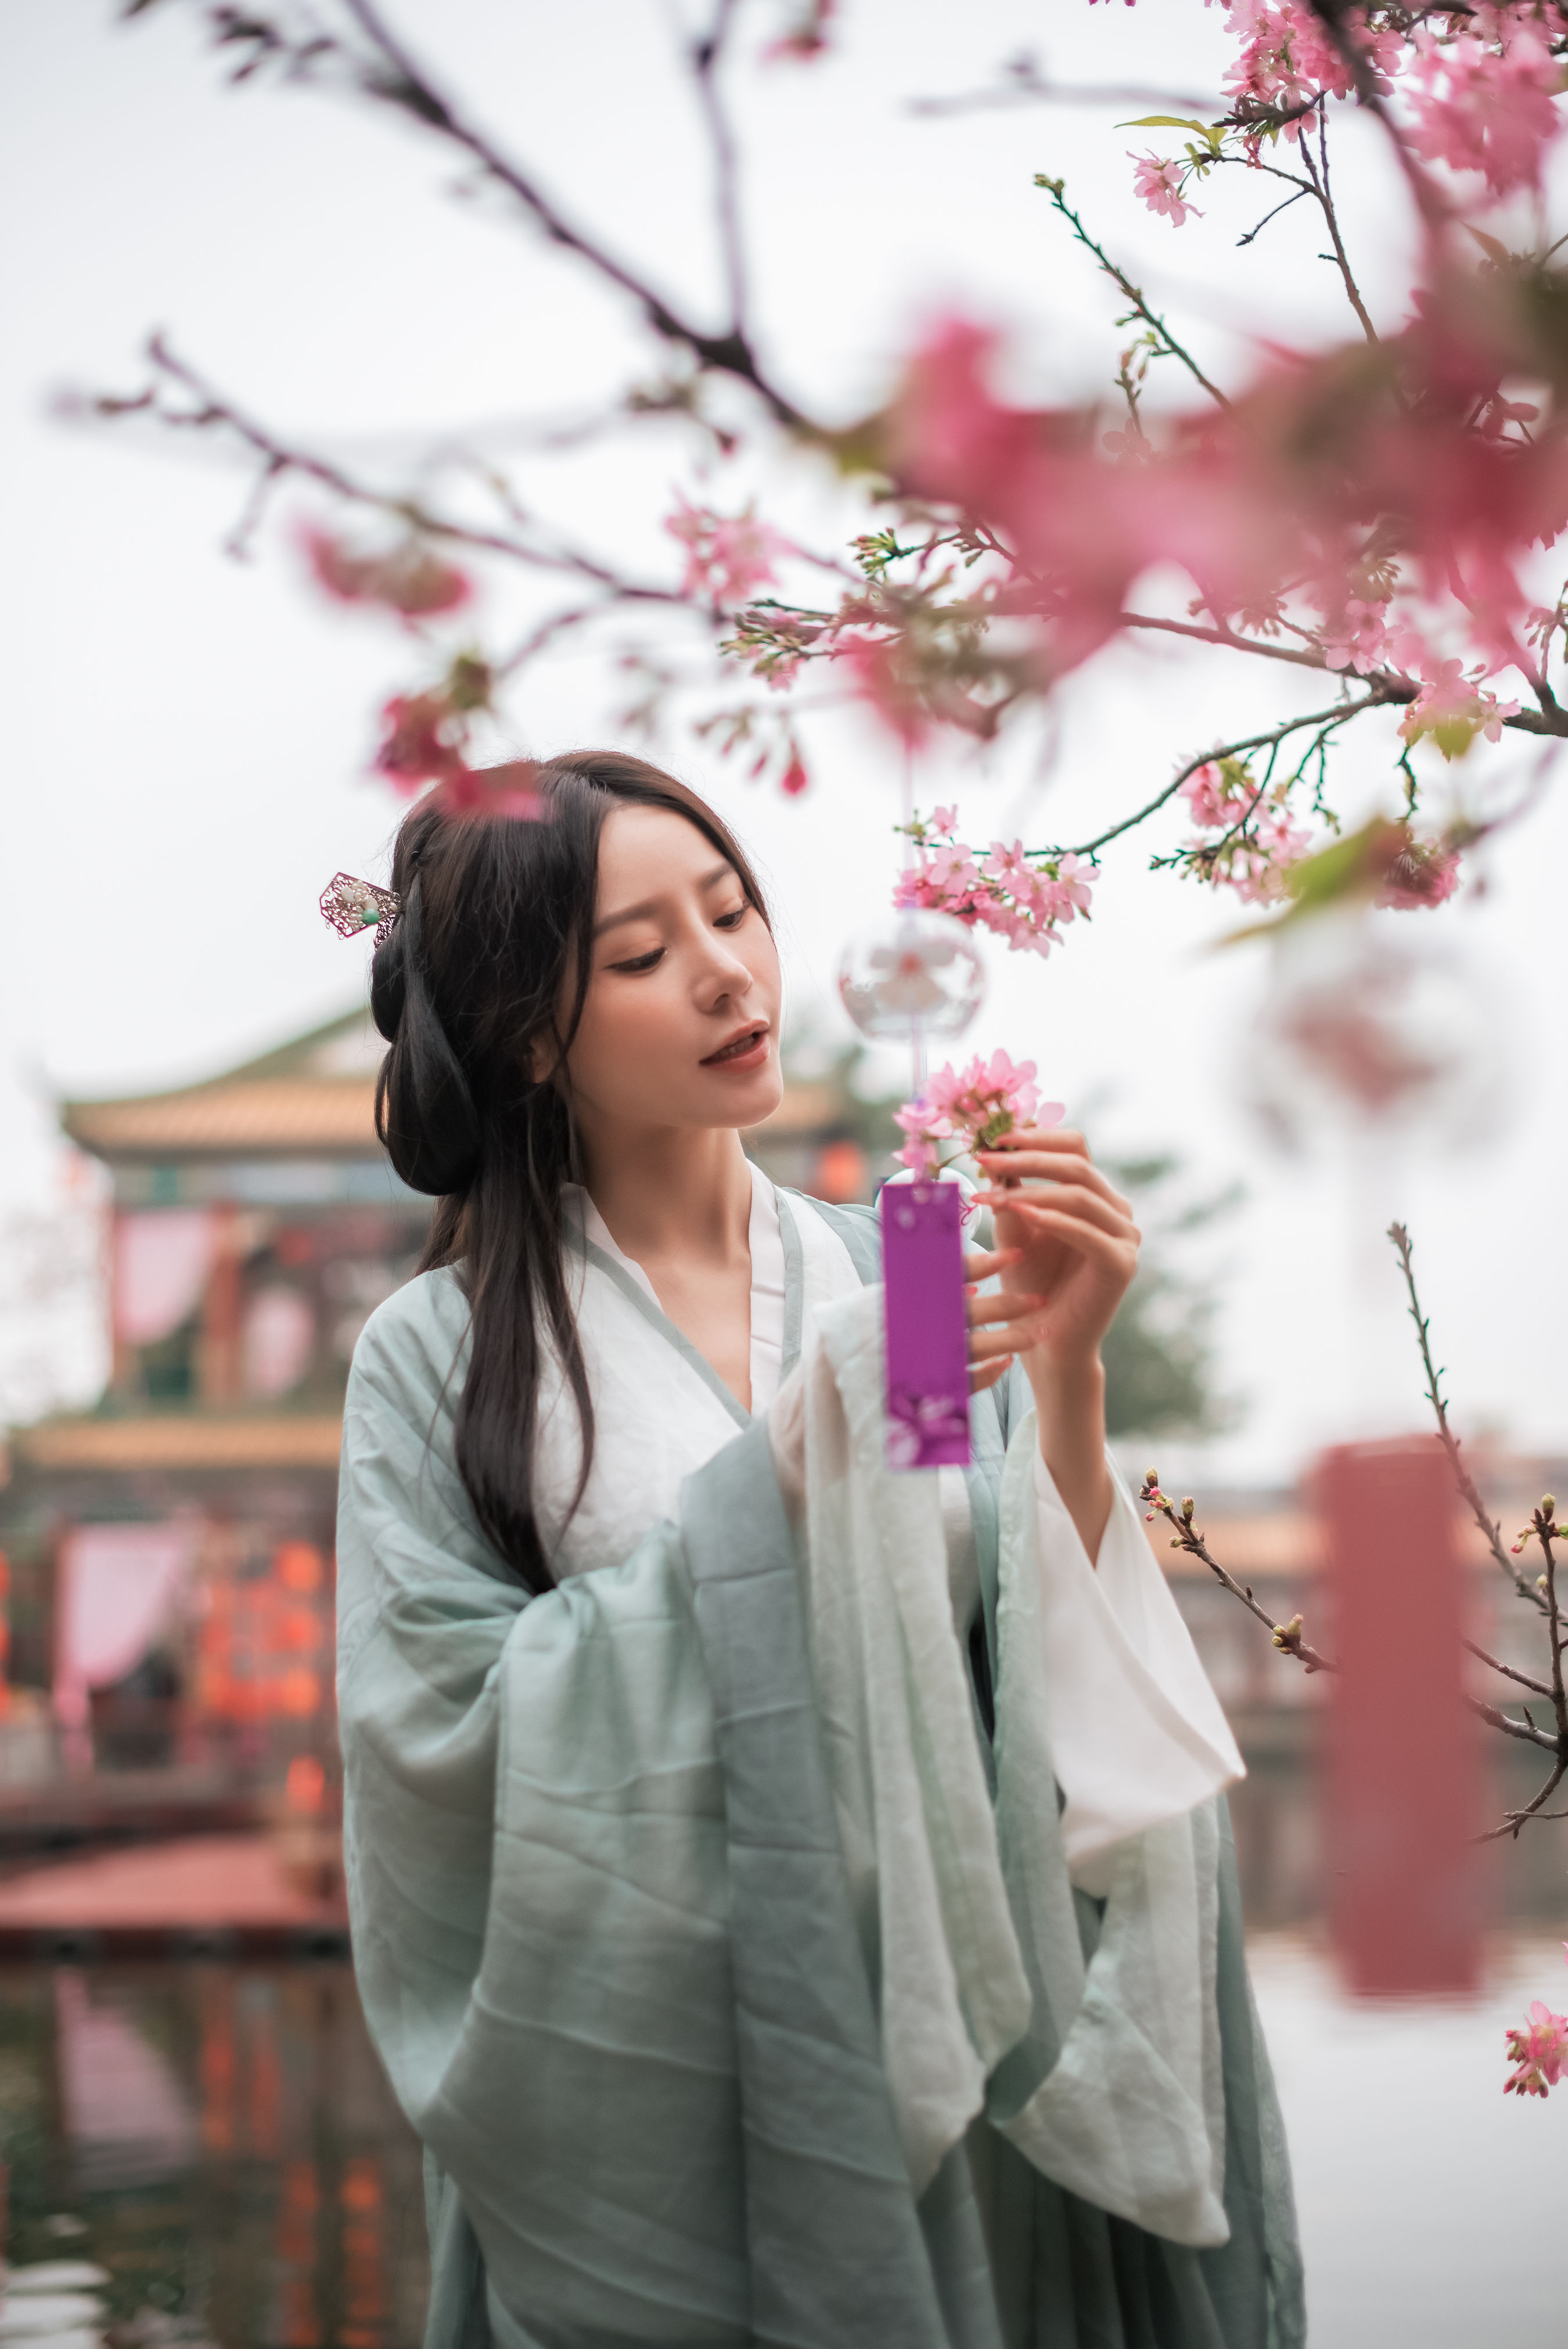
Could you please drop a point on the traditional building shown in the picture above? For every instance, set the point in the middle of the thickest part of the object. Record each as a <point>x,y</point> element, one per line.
<point>171,1549</point>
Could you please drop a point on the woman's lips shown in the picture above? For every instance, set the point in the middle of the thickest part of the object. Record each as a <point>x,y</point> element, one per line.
<point>747,1053</point>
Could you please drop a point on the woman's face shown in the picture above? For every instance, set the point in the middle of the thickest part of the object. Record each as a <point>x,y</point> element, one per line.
<point>680,1025</point>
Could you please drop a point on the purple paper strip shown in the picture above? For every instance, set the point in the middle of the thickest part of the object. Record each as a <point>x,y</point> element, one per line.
<point>927,1333</point>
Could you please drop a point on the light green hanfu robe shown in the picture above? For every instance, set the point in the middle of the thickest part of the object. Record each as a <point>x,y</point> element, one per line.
<point>712,1914</point>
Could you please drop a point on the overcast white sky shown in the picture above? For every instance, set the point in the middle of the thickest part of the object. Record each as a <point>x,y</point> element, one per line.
<point>186,736</point>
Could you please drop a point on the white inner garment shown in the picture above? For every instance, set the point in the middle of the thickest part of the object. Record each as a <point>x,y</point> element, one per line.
<point>765,1237</point>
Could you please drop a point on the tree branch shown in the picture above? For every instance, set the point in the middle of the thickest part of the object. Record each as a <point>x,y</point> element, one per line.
<point>1055,189</point>
<point>1339,716</point>
<point>1469,1494</point>
<point>730,353</point>
<point>1536,1688</point>
<point>1287,1637</point>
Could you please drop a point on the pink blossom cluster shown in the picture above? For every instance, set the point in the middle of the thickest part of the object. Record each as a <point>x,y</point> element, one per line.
<point>1538,2052</point>
<point>1224,798</point>
<point>1453,709</point>
<point>974,1106</point>
<point>1159,186</point>
<point>728,557</point>
<point>1477,86</point>
<point>1022,901</point>
<point>1487,106</point>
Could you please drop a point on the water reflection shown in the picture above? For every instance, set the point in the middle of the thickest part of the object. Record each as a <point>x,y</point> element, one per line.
<point>217,2145</point>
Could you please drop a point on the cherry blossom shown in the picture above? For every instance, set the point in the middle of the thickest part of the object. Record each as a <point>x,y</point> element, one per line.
<point>1025,899</point>
<point>1538,2053</point>
<point>1258,841</point>
<point>1453,708</point>
<point>1484,110</point>
<point>1159,186</point>
<point>973,1107</point>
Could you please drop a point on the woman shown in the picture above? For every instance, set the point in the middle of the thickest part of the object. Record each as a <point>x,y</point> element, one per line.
<point>793,1901</point>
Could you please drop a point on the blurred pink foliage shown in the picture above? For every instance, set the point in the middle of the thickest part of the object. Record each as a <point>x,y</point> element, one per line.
<point>407,578</point>
<point>727,557</point>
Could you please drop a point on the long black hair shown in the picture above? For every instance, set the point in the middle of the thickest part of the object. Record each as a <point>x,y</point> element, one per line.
<point>488,960</point>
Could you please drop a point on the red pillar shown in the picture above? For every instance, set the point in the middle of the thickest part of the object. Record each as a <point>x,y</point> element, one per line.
<point>1403,1759</point>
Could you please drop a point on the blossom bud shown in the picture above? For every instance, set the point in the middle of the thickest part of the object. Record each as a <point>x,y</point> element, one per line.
<point>1152,1476</point>
<point>1547,1506</point>
<point>1188,1505</point>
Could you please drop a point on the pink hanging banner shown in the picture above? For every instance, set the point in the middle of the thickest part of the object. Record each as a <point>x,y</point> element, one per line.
<point>927,1331</point>
<point>1403,1761</point>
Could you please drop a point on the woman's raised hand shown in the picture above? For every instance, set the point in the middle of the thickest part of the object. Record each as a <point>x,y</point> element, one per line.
<point>1069,1240</point>
<point>998,1324</point>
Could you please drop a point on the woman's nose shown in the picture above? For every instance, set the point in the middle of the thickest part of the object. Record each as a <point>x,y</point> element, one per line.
<point>723,972</point>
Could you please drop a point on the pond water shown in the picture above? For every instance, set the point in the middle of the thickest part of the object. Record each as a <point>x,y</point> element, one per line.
<point>219,2142</point>
<point>209,2154</point>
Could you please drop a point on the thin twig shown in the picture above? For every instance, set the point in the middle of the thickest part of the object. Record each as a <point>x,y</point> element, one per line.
<point>1536,1688</point>
<point>1326,200</point>
<point>1468,1492</point>
<point>1119,278</point>
<point>707,57</point>
<point>1325,718</point>
<point>1515,1820</point>
<point>1287,1637</point>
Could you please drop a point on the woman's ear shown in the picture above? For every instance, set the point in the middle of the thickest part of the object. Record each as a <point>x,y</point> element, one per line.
<point>545,1060</point>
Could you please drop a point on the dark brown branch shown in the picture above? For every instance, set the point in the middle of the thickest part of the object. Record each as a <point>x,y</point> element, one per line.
<point>731,352</point>
<point>213,411</point>
<point>1233,643</point>
<point>1027,86</point>
<point>707,57</point>
<point>1515,1820</point>
<point>1325,202</point>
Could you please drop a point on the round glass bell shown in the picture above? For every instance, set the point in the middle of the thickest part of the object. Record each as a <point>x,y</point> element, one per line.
<point>913,974</point>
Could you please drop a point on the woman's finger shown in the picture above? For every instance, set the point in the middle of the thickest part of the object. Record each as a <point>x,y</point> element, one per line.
<point>1013,1337</point>
<point>1071,1199</point>
<point>988,1374</point>
<point>1084,1238</point>
<point>1007,1305</point>
<point>1048,1165</point>
<point>979,1264</point>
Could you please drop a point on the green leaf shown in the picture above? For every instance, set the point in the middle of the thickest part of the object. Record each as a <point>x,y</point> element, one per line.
<point>1164,122</point>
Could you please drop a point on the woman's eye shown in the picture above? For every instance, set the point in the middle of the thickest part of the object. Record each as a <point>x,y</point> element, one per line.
<point>642,962</point>
<point>731,921</point>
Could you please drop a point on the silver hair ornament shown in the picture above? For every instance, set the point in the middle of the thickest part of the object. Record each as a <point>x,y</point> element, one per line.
<point>352,905</point>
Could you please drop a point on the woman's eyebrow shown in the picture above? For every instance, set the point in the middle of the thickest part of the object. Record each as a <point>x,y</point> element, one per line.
<point>651,905</point>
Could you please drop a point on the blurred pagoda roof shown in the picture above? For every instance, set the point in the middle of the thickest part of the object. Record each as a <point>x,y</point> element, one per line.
<point>315,1094</point>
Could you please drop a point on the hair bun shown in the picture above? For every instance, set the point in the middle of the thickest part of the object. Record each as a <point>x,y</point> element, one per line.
<point>425,1111</point>
<point>388,984</point>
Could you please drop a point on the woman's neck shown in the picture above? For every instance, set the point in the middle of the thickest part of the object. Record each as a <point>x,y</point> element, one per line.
<point>671,1192</point>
